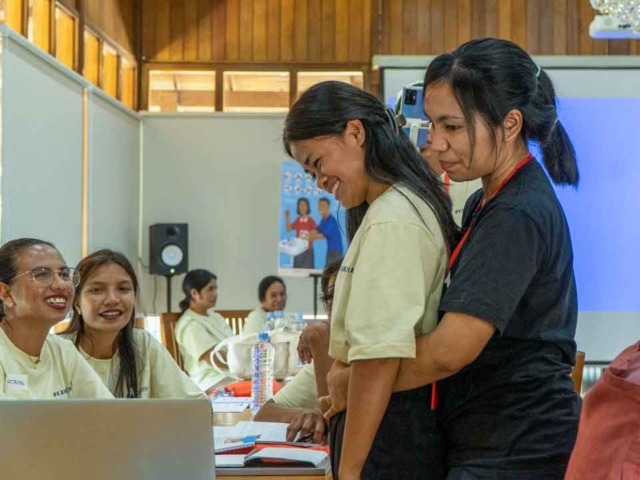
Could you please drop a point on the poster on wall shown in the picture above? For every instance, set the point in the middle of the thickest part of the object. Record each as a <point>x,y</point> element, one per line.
<point>312,224</point>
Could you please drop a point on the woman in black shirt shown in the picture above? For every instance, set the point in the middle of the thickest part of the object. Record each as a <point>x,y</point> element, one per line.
<point>505,344</point>
<point>504,348</point>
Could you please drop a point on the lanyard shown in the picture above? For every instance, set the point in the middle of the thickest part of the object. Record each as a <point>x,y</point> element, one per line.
<point>447,182</point>
<point>456,252</point>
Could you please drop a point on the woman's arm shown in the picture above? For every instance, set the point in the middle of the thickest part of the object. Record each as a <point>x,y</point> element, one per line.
<point>455,343</point>
<point>287,223</point>
<point>370,388</point>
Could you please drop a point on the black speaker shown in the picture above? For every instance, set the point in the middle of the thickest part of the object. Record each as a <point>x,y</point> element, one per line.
<point>168,248</point>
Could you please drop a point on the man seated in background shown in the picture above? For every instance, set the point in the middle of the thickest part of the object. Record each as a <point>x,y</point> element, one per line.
<point>297,403</point>
<point>272,293</point>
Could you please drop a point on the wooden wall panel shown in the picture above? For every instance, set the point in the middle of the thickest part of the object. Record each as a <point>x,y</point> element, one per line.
<point>114,18</point>
<point>347,31</point>
<point>542,27</point>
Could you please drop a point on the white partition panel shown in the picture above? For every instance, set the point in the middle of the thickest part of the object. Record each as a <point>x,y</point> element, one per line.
<point>219,173</point>
<point>41,151</point>
<point>114,178</point>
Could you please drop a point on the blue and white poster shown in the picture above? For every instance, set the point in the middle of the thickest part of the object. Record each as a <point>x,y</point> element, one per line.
<point>312,224</point>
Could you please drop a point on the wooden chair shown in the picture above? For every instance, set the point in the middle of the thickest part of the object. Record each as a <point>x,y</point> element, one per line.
<point>576,372</point>
<point>168,325</point>
<point>235,319</point>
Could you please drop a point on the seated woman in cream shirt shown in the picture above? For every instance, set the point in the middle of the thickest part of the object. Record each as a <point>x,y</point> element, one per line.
<point>298,402</point>
<point>200,329</point>
<point>130,362</point>
<point>272,293</point>
<point>36,291</point>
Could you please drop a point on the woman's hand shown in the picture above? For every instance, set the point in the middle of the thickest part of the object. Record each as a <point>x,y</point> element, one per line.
<point>338,385</point>
<point>315,337</point>
<point>308,422</point>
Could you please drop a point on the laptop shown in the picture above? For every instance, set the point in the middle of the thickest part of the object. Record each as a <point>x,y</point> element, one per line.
<point>106,440</point>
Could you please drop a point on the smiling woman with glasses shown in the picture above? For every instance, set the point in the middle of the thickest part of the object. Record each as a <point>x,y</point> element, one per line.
<point>36,291</point>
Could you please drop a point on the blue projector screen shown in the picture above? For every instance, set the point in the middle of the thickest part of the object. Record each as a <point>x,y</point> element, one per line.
<point>604,212</point>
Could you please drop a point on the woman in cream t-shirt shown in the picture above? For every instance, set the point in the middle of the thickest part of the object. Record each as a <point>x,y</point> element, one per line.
<point>130,362</point>
<point>389,286</point>
<point>200,329</point>
<point>272,293</point>
<point>36,291</point>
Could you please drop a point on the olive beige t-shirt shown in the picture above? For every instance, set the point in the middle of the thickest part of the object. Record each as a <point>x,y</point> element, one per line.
<point>390,283</point>
<point>301,391</point>
<point>196,334</point>
<point>159,376</point>
<point>59,373</point>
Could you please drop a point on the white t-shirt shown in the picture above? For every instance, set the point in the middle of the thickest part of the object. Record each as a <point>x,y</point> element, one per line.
<point>459,193</point>
<point>60,373</point>
<point>301,391</point>
<point>158,374</point>
<point>390,283</point>
<point>197,334</point>
<point>255,321</point>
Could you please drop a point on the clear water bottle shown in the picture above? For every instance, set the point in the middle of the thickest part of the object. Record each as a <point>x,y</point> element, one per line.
<point>262,355</point>
<point>268,325</point>
<point>298,325</point>
<point>278,319</point>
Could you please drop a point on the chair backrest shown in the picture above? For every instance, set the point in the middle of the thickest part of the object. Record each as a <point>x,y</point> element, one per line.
<point>235,319</point>
<point>576,372</point>
<point>168,324</point>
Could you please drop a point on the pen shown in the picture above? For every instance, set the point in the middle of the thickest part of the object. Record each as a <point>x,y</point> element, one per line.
<point>305,438</point>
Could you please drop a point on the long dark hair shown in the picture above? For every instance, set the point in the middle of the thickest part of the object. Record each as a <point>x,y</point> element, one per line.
<point>491,77</point>
<point>127,383</point>
<point>8,253</point>
<point>198,279</point>
<point>390,157</point>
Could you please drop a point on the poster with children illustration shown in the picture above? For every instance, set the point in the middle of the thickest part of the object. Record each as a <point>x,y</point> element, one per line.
<point>312,224</point>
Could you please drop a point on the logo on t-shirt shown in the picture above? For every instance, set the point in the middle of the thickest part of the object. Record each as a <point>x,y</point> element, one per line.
<point>64,391</point>
<point>347,269</point>
<point>16,381</point>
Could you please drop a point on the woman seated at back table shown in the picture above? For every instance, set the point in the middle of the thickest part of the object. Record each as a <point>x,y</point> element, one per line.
<point>297,403</point>
<point>200,329</point>
<point>130,362</point>
<point>36,291</point>
<point>272,293</point>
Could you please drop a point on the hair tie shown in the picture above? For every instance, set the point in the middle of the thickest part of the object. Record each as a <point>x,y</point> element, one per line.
<point>538,72</point>
<point>392,120</point>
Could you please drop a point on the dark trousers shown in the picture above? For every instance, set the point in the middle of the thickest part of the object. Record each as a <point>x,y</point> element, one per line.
<point>304,260</point>
<point>409,443</point>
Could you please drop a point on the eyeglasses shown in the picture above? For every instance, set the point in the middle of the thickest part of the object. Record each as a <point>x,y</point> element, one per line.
<point>44,275</point>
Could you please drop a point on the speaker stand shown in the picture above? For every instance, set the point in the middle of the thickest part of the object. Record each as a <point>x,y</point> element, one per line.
<point>168,277</point>
<point>315,277</point>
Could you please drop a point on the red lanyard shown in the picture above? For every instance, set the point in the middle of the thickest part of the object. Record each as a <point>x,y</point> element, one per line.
<point>456,252</point>
<point>447,182</point>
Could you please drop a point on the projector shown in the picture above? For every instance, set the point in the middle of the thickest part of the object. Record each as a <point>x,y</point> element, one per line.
<point>607,27</point>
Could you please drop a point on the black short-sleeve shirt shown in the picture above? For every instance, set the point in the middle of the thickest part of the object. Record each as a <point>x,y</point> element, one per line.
<point>514,406</point>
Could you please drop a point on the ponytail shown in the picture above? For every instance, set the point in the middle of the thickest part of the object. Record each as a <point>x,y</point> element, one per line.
<point>543,125</point>
<point>184,304</point>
